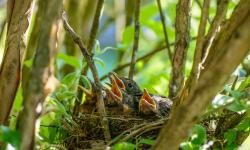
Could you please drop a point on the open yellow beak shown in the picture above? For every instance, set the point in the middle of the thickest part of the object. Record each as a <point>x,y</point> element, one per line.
<point>118,81</point>
<point>146,103</point>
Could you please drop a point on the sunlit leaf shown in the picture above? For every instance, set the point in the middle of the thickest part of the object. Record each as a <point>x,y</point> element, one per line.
<point>60,107</point>
<point>97,47</point>
<point>198,134</point>
<point>28,63</point>
<point>99,61</point>
<point>244,124</point>
<point>127,36</point>
<point>124,146</point>
<point>230,136</point>
<point>245,84</point>
<point>71,60</point>
<point>147,141</point>
<point>236,106</point>
<point>10,136</point>
<point>86,83</point>
<point>70,78</point>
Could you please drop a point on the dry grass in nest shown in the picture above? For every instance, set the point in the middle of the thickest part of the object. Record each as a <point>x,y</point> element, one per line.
<point>85,131</point>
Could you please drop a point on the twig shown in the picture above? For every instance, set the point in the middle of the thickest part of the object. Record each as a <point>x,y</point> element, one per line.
<point>135,130</point>
<point>163,20</point>
<point>91,42</point>
<point>200,5</point>
<point>95,25</point>
<point>207,114</point>
<point>142,129</point>
<point>234,82</point>
<point>149,129</point>
<point>146,56</point>
<point>130,8</point>
<point>136,38</point>
<point>98,87</point>
<point>2,25</point>
<point>93,32</point>
<point>182,26</point>
<point>196,68</point>
<point>214,28</point>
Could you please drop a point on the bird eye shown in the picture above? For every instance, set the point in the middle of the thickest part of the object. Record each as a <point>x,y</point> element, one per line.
<point>130,85</point>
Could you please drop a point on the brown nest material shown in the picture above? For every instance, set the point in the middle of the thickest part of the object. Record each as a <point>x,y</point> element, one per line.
<point>85,131</point>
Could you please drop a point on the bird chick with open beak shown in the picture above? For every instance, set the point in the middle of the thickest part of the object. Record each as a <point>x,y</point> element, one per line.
<point>147,105</point>
<point>131,88</point>
<point>154,104</point>
<point>117,95</point>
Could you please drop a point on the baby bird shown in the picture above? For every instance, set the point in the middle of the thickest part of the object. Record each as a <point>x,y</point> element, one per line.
<point>118,97</point>
<point>154,104</point>
<point>130,87</point>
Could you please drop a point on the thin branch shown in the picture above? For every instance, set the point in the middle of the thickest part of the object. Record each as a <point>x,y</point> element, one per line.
<point>95,25</point>
<point>196,68</point>
<point>214,29</point>
<point>136,38</point>
<point>200,39</point>
<point>130,8</point>
<point>209,39</point>
<point>2,26</point>
<point>163,20</point>
<point>136,130</point>
<point>91,42</point>
<point>182,26</point>
<point>146,56</point>
<point>200,5</point>
<point>89,59</point>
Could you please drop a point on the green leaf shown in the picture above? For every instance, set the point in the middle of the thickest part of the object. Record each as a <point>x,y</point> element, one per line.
<point>10,136</point>
<point>245,84</point>
<point>99,61</point>
<point>231,147</point>
<point>71,60</point>
<point>124,146</point>
<point>97,47</point>
<point>244,124</point>
<point>85,82</point>
<point>147,141</point>
<point>70,79</point>
<point>198,135</point>
<point>148,12</point>
<point>127,36</point>
<point>230,136</point>
<point>108,48</point>
<point>188,146</point>
<point>236,106</point>
<point>60,107</point>
<point>66,95</point>
<point>238,95</point>
<point>28,63</point>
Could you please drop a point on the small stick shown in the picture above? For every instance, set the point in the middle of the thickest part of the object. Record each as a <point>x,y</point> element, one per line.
<point>97,87</point>
<point>146,56</point>
<point>136,39</point>
<point>136,130</point>
<point>163,20</point>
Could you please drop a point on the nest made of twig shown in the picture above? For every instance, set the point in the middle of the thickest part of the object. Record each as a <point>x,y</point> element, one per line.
<point>85,131</point>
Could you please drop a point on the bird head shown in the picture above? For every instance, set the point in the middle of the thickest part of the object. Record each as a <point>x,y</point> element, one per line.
<point>147,105</point>
<point>119,82</point>
<point>115,91</point>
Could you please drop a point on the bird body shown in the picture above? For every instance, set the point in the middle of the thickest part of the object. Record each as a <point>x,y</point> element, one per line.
<point>126,93</point>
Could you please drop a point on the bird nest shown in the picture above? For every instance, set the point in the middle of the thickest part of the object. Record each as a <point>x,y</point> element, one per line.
<point>131,113</point>
<point>86,132</point>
